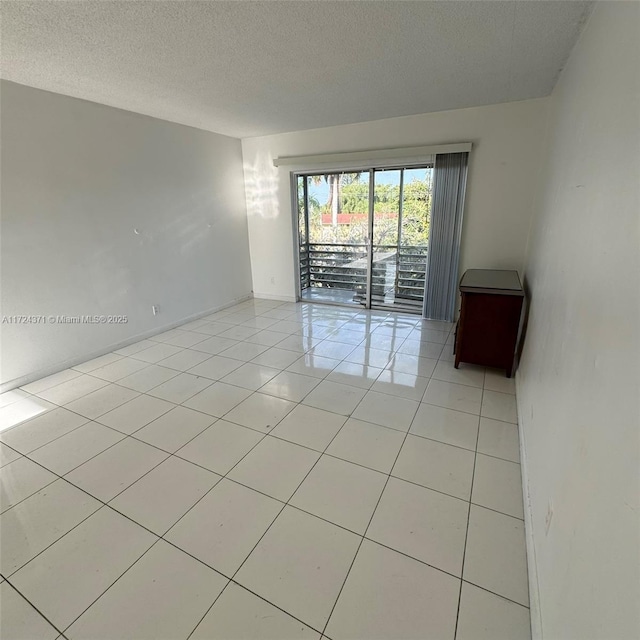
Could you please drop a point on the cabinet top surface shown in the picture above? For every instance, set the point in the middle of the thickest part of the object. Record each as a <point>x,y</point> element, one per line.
<point>492,280</point>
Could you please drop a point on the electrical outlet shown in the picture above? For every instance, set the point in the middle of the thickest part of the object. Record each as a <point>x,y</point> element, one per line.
<point>156,309</point>
<point>273,280</point>
<point>548,518</point>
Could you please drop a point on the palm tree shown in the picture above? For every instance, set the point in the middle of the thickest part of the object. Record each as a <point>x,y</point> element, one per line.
<point>334,181</point>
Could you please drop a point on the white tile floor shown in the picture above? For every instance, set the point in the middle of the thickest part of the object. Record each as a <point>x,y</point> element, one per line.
<point>274,470</point>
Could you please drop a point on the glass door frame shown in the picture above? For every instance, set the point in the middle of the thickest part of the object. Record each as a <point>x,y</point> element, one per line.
<point>369,240</point>
<point>427,163</point>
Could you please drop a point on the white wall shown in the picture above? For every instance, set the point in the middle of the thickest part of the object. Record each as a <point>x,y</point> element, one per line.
<point>77,179</point>
<point>505,165</point>
<point>579,380</point>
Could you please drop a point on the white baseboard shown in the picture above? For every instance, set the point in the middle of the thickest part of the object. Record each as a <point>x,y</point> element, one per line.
<point>72,362</point>
<point>532,567</point>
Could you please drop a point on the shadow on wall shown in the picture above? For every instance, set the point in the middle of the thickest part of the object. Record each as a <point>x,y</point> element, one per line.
<point>524,322</point>
<point>261,185</point>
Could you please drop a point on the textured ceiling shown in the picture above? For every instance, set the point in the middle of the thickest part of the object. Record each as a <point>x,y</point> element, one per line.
<point>251,68</point>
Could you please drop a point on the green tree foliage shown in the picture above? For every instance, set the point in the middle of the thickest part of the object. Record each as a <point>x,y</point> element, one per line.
<point>416,212</point>
<point>353,198</point>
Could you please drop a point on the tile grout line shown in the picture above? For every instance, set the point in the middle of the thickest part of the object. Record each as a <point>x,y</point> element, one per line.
<point>125,436</point>
<point>148,365</point>
<point>277,516</point>
<point>466,535</point>
<point>174,454</point>
<point>158,363</point>
<point>225,576</point>
<point>215,420</point>
<point>354,314</point>
<point>344,582</point>
<point>153,544</point>
<point>132,435</point>
<point>298,403</point>
<point>60,633</point>
<point>105,504</point>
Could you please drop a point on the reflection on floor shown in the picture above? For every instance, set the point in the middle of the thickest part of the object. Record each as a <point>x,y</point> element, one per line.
<point>326,294</point>
<point>273,470</point>
<point>347,296</point>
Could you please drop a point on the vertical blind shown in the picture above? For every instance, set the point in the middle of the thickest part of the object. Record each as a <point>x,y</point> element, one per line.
<point>441,284</point>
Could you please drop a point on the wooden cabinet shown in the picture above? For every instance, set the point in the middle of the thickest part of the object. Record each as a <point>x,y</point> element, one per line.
<point>487,331</point>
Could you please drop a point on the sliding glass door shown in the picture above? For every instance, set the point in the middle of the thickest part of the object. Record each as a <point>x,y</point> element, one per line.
<point>363,236</point>
<point>333,227</point>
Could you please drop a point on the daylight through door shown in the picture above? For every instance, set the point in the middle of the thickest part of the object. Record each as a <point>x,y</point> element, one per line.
<point>363,236</point>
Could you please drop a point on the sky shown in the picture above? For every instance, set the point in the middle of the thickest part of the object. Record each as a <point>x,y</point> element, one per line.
<point>390,177</point>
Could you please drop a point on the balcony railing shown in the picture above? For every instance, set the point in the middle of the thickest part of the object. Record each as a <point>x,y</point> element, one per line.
<point>398,272</point>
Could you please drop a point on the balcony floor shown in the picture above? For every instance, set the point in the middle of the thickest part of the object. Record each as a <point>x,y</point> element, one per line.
<point>347,296</point>
<point>325,294</point>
